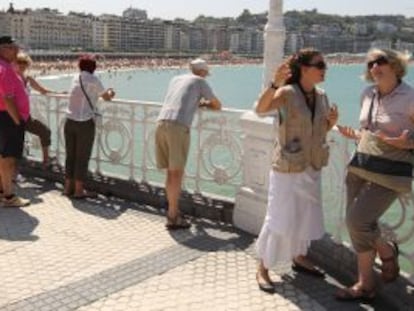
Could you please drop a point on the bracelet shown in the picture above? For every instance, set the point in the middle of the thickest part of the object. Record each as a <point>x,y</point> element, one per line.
<point>273,86</point>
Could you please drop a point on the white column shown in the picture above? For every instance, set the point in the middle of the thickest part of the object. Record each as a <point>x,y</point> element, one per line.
<point>259,134</point>
<point>274,40</point>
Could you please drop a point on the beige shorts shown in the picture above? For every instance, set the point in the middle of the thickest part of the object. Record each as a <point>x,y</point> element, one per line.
<point>172,142</point>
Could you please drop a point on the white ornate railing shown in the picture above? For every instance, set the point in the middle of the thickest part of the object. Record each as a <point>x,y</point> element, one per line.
<point>124,147</point>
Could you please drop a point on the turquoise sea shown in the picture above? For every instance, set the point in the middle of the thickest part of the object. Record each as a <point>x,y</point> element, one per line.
<point>236,86</point>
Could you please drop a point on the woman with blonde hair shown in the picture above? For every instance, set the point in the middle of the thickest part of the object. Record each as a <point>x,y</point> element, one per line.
<point>380,169</point>
<point>294,212</point>
<point>34,126</point>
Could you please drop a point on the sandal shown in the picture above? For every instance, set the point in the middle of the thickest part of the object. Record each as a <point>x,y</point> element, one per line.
<point>265,285</point>
<point>297,267</point>
<point>355,294</point>
<point>85,195</point>
<point>390,268</point>
<point>179,222</point>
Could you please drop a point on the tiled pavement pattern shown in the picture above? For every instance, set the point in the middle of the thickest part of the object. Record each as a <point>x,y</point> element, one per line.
<point>108,254</point>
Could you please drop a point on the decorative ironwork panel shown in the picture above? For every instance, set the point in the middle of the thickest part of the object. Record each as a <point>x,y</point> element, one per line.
<point>124,144</point>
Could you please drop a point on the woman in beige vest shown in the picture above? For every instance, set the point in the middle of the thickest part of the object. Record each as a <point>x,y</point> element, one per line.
<point>380,169</point>
<point>294,213</point>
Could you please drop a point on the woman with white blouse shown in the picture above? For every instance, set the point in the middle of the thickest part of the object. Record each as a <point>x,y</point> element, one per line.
<point>80,125</point>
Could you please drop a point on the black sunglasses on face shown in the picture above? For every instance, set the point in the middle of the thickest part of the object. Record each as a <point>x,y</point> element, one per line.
<point>321,65</point>
<point>382,60</point>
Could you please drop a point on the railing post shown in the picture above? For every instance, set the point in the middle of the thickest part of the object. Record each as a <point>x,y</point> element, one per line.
<point>251,199</point>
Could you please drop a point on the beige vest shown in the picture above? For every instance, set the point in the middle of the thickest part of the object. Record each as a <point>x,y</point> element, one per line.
<point>300,142</point>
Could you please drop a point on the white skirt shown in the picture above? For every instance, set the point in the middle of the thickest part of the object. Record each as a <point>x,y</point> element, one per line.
<point>294,216</point>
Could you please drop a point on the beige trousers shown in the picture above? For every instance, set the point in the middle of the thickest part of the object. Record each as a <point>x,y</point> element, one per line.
<point>366,203</point>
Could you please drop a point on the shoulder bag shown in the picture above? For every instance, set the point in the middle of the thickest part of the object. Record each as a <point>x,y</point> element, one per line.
<point>381,163</point>
<point>97,116</point>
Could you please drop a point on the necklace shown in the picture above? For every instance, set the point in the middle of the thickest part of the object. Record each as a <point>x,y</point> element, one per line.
<point>382,94</point>
<point>310,99</point>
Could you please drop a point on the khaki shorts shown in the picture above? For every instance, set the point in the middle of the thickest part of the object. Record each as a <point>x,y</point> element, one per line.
<point>172,142</point>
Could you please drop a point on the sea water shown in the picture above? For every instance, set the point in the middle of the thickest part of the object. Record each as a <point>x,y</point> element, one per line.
<point>236,86</point>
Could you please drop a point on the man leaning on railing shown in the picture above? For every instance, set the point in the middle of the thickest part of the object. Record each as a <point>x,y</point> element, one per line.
<point>185,94</point>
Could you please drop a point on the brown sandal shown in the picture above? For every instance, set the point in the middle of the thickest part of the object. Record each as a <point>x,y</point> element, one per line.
<point>355,294</point>
<point>179,222</point>
<point>390,268</point>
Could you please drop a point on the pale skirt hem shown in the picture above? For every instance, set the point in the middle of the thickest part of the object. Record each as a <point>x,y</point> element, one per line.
<point>275,249</point>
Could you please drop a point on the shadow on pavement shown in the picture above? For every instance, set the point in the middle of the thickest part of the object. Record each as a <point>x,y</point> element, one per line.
<point>323,291</point>
<point>107,208</point>
<point>17,225</point>
<point>208,236</point>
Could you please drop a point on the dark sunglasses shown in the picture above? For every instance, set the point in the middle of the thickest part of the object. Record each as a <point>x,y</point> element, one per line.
<point>382,60</point>
<point>321,65</point>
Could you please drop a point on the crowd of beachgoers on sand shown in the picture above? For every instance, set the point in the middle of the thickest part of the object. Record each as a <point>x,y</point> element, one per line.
<point>41,67</point>
<point>58,66</point>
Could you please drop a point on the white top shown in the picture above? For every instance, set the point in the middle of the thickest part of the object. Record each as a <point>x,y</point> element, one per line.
<point>79,108</point>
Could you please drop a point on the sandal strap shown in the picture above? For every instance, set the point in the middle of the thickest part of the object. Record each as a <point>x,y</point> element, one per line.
<point>395,252</point>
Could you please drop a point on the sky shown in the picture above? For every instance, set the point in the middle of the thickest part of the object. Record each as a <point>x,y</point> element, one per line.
<point>190,9</point>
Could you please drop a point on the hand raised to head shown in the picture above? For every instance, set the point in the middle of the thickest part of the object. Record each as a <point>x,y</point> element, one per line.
<point>281,74</point>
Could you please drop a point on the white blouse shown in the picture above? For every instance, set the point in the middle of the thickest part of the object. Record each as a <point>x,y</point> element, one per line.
<point>79,108</point>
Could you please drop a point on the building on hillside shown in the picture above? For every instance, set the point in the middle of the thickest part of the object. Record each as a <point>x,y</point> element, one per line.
<point>5,23</point>
<point>382,44</point>
<point>132,13</point>
<point>142,35</point>
<point>112,37</point>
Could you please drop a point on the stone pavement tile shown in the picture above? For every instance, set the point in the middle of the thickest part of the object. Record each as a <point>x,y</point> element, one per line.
<point>99,255</point>
<point>56,241</point>
<point>222,280</point>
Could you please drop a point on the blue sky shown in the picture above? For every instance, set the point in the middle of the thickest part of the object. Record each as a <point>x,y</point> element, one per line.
<point>189,9</point>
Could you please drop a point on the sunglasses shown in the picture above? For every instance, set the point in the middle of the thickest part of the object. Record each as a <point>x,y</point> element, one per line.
<point>382,60</point>
<point>321,65</point>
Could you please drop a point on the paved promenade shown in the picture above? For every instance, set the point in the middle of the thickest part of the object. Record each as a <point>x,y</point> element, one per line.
<point>106,254</point>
